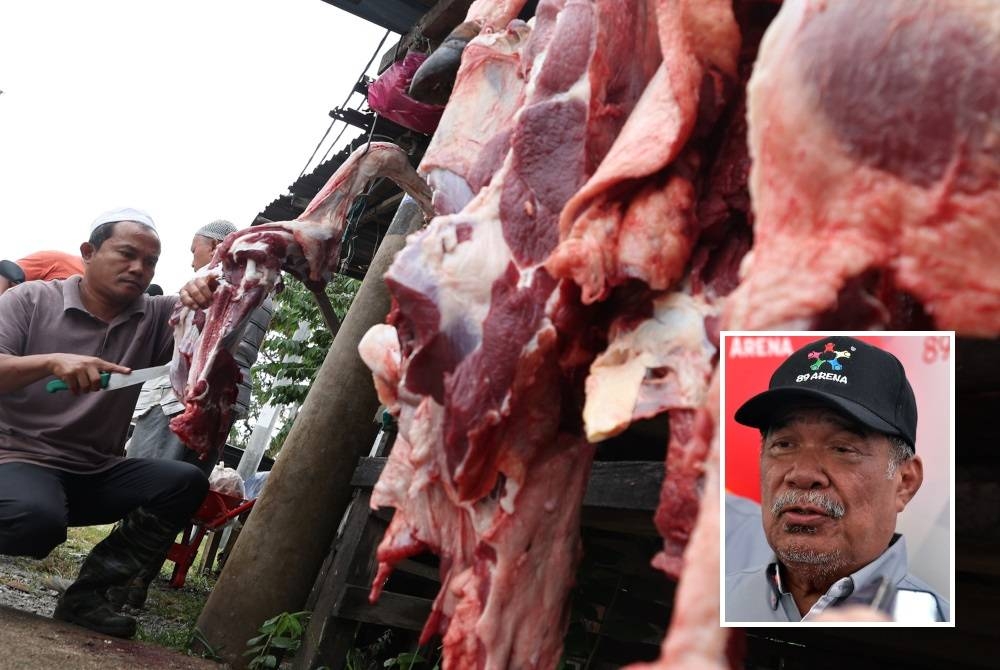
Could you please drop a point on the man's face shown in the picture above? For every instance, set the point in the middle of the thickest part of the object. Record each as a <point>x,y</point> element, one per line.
<point>828,506</point>
<point>202,249</point>
<point>121,269</point>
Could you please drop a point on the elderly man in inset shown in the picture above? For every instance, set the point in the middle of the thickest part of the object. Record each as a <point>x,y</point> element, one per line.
<point>838,425</point>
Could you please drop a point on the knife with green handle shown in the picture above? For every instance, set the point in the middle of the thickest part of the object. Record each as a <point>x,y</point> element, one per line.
<point>113,380</point>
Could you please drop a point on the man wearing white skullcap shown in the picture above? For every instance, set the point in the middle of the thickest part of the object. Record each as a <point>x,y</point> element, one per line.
<point>123,214</point>
<point>61,456</point>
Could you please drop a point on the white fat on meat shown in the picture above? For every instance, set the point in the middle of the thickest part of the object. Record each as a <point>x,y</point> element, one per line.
<point>473,135</point>
<point>662,363</point>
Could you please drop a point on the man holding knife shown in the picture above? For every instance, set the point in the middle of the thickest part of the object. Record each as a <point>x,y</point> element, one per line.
<point>60,453</point>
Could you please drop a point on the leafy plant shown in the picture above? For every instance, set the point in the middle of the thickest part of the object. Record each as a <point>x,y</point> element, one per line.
<point>278,635</point>
<point>286,366</point>
<point>367,658</point>
<point>406,661</point>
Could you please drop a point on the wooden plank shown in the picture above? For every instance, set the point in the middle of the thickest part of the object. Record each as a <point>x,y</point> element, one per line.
<point>620,485</point>
<point>419,569</point>
<point>874,648</point>
<point>392,609</point>
<point>624,485</point>
<point>328,639</point>
<point>367,472</point>
<point>976,363</point>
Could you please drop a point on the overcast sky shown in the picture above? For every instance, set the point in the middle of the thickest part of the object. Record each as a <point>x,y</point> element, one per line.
<point>192,110</point>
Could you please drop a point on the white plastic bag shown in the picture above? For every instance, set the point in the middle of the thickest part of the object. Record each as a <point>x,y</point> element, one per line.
<point>226,480</point>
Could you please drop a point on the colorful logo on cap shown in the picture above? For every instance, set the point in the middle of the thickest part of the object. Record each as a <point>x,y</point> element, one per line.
<point>828,355</point>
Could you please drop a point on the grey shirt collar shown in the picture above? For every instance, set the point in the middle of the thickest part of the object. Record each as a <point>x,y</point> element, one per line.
<point>73,300</point>
<point>891,564</point>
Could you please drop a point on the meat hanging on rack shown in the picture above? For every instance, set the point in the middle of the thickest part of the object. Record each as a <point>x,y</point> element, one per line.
<point>484,355</point>
<point>875,187</point>
<point>247,267</point>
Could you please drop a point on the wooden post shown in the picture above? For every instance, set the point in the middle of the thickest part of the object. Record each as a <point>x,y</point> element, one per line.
<point>280,550</point>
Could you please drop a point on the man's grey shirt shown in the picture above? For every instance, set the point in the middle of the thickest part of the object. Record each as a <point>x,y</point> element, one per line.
<point>746,544</point>
<point>757,595</point>
<point>83,433</point>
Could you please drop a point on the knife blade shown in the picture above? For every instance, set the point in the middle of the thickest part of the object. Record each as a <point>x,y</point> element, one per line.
<point>112,380</point>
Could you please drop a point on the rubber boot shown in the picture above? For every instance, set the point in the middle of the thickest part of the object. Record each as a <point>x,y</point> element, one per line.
<point>135,592</point>
<point>135,543</point>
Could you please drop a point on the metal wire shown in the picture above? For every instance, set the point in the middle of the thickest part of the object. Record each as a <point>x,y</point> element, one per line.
<point>346,100</point>
<point>371,132</point>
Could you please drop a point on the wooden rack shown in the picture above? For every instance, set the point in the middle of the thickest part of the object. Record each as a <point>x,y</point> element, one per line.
<point>619,539</point>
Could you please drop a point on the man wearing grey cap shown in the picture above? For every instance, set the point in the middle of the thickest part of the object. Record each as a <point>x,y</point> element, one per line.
<point>61,458</point>
<point>838,430</point>
<point>157,405</point>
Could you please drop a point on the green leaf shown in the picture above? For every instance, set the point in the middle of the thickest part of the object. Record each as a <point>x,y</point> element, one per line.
<point>293,305</point>
<point>285,643</point>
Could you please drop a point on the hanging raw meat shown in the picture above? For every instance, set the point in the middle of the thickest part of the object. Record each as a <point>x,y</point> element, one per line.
<point>473,136</point>
<point>490,463</point>
<point>486,374</point>
<point>433,82</point>
<point>247,268</point>
<point>695,641</point>
<point>634,219</point>
<point>874,133</point>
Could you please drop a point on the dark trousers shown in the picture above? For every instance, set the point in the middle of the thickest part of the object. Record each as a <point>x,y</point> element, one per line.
<point>152,438</point>
<point>37,504</point>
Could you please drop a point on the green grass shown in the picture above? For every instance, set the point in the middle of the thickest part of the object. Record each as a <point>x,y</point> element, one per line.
<point>177,609</point>
<point>65,560</point>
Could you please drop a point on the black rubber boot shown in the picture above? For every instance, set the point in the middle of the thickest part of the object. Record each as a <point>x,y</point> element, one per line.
<point>115,561</point>
<point>135,592</point>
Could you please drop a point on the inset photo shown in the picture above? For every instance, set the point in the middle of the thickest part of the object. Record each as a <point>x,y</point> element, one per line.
<point>838,478</point>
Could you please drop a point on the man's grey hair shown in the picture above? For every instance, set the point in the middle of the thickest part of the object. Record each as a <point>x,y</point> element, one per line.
<point>899,453</point>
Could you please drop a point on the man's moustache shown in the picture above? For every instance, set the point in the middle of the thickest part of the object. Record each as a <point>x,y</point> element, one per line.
<point>792,499</point>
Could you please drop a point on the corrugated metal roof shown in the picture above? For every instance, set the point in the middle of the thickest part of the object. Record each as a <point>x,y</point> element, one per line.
<point>398,16</point>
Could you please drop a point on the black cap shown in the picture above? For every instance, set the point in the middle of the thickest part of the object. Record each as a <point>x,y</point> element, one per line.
<point>863,381</point>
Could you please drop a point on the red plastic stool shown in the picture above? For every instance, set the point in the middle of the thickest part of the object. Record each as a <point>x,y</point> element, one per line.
<point>217,509</point>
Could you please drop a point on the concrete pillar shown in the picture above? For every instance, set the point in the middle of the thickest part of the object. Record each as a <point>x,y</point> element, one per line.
<point>261,435</point>
<point>281,549</point>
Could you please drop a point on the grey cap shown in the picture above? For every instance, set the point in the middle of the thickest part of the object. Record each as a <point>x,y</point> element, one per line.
<point>217,230</point>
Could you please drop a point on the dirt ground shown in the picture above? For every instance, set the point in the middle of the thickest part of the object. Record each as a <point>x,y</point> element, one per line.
<point>33,642</point>
<point>30,639</point>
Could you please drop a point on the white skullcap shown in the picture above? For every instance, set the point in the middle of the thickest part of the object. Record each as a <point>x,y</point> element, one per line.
<point>124,214</point>
<point>217,230</point>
